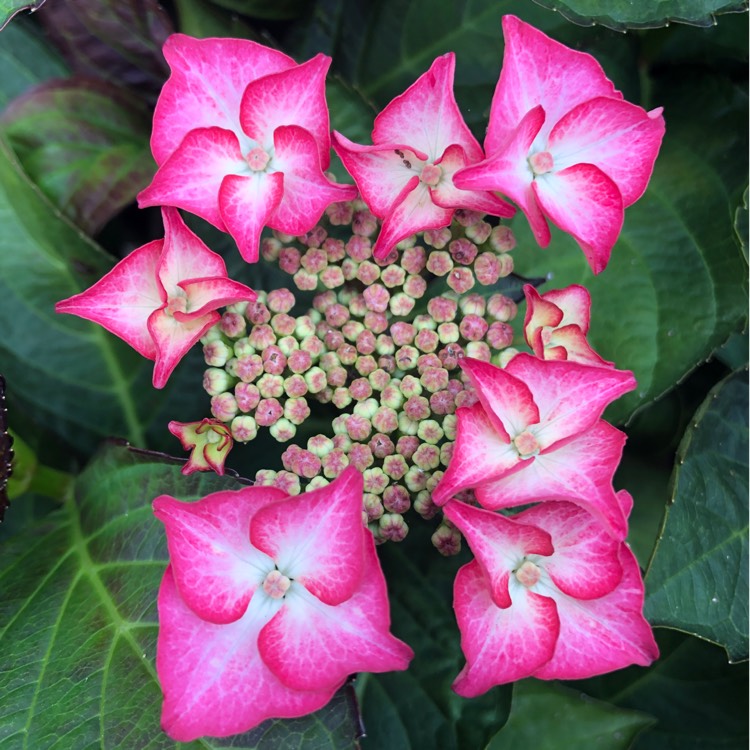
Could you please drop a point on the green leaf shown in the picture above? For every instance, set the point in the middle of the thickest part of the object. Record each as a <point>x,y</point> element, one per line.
<point>700,701</point>
<point>279,10</point>
<point>84,142</point>
<point>698,582</point>
<point>740,224</point>
<point>546,716</point>
<point>9,8</point>
<point>78,621</point>
<point>417,709</point>
<point>625,14</point>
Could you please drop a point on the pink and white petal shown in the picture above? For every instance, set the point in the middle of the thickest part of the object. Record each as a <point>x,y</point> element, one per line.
<point>579,470</point>
<point>620,138</point>
<point>317,538</point>
<point>191,177</point>
<point>215,567</point>
<point>586,560</point>
<point>212,676</point>
<point>538,70</point>
<point>310,645</point>
<point>426,115</point>
<point>605,634</point>
<point>123,299</point>
<point>447,195</point>
<point>173,339</point>
<point>498,544</point>
<point>626,502</point>
<point>577,348</point>
<point>205,295</point>
<point>380,173</point>
<point>415,213</point>
<point>480,454</point>
<point>507,171</point>
<point>500,645</point>
<point>205,88</point>
<point>507,400</point>
<point>584,202</point>
<point>570,396</point>
<point>247,202</point>
<point>540,313</point>
<point>296,96</point>
<point>575,303</point>
<point>307,191</point>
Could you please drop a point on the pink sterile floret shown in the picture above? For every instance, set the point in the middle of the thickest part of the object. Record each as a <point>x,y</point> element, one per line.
<point>268,604</point>
<point>563,144</point>
<point>557,322</point>
<point>162,297</point>
<point>549,595</point>
<point>420,141</point>
<point>241,137</point>
<point>536,434</point>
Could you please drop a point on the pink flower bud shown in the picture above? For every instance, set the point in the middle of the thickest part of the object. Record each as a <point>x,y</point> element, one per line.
<point>360,456</point>
<point>379,379</point>
<point>377,298</point>
<point>287,344</point>
<point>268,412</point>
<point>499,335</point>
<point>304,327</point>
<point>332,277</point>
<point>224,407</point>
<point>257,313</point>
<point>392,526</point>
<point>274,361</point>
<point>479,232</point>
<point>365,342</point>
<point>216,381</point>
<point>364,223</point>
<point>460,280</point>
<point>216,353</point>
<point>313,346</point>
<point>442,309</point>
<point>320,445</point>
<point>407,426</point>
<point>466,398</point>
<point>463,251</point>
<point>410,386</point>
<point>478,350</point>
<point>375,480</point>
<point>434,379</point>
<point>415,479</point>
<point>282,431</point>
<point>270,386</point>
<point>359,248</point>
<point>376,322</point>
<point>488,268</point>
<point>352,329</point>
<point>334,463</point>
<point>341,397</point>
<point>406,358</point>
<point>466,218</point>
<point>447,540</point>
<point>502,239</point>
<point>368,272</point>
<point>233,325</point>
<point>287,482</point>
<point>393,276</point>
<point>415,287</point>
<point>358,428</point>
<point>244,429</point>
<point>349,268</point>
<point>385,420</point>
<point>439,263</point>
<point>337,377</point>
<point>402,333</point>
<point>442,402</point>
<point>450,355</point>
<point>296,410</point>
<point>449,426</point>
<point>270,247</point>
<point>295,386</point>
<point>262,336</point>
<point>340,214</point>
<point>438,238</point>
<point>315,379</point>
<point>360,389</point>
<point>315,237</point>
<point>473,327</point>
<point>414,259</point>
<point>396,499</point>
<point>280,300</point>
<point>427,457</point>
<point>372,506</point>
<point>473,304</point>
<point>289,260</point>
<point>424,506</point>
<point>335,249</point>
<point>449,333</point>
<point>283,324</point>
<point>247,396</point>
<point>446,453</point>
<point>426,361</point>
<point>305,281</point>
<point>395,466</point>
<point>407,445</point>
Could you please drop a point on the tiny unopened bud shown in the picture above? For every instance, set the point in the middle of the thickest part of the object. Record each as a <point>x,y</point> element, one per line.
<point>270,386</point>
<point>305,281</point>
<point>314,260</point>
<point>375,480</point>
<point>479,232</point>
<point>502,239</point>
<point>407,445</point>
<point>427,340</point>
<point>424,506</point>
<point>268,412</point>
<point>449,426</point>
<point>415,479</point>
<point>283,431</point>
<point>460,280</point>
<point>373,506</point>
<point>216,381</point>
<point>392,526</point>
<point>430,431</point>
<point>462,251</point>
<point>289,258</point>
<point>438,238</point>
<point>216,353</point>
<point>473,327</point>
<point>447,540</point>
<point>244,429</point>
<point>396,499</point>
<point>224,407</point>
<point>296,410</point>
<point>439,263</point>
<point>478,350</point>
<point>395,466</point>
<point>247,396</point>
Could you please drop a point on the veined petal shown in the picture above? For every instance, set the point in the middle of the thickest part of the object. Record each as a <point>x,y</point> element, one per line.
<point>577,349</point>
<point>205,295</point>
<point>212,676</point>
<point>538,70</point>
<point>500,645</point>
<point>507,171</point>
<point>307,191</point>
<point>415,213</point>
<point>575,303</point>
<point>620,138</point>
<point>507,400</point>
<point>215,567</point>
<point>480,454</point>
<point>247,202</point>
<point>310,645</point>
<point>317,538</point>
<point>498,544</point>
<point>604,634</point>
<point>295,96</point>
<point>586,203</point>
<point>205,89</point>
<point>123,299</point>
<point>426,115</point>
<point>585,563</point>
<point>540,313</point>
<point>447,195</point>
<point>381,172</point>
<point>570,396</point>
<point>173,339</point>
<point>579,470</point>
<point>191,177</point>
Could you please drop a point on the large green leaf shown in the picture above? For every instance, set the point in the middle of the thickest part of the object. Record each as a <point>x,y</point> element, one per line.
<point>625,14</point>
<point>546,716</point>
<point>84,142</point>
<point>275,11</point>
<point>699,700</point>
<point>698,577</point>
<point>9,8</point>
<point>78,621</point>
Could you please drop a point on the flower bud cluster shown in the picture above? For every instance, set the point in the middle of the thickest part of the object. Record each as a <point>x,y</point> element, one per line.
<point>375,344</point>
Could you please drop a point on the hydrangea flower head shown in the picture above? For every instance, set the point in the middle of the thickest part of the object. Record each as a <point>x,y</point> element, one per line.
<point>241,137</point>
<point>269,603</point>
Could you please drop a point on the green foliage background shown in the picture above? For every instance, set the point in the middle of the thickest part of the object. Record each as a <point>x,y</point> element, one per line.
<point>80,553</point>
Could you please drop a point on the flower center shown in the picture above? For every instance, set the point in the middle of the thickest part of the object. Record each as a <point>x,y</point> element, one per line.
<point>528,574</point>
<point>526,444</point>
<point>541,162</point>
<point>176,304</point>
<point>431,174</point>
<point>257,159</point>
<point>276,584</point>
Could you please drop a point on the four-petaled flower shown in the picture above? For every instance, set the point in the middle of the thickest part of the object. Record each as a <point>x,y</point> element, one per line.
<point>241,137</point>
<point>536,434</point>
<point>557,322</point>
<point>549,594</point>
<point>269,603</point>
<point>162,297</point>
<point>563,144</point>
<point>209,442</point>
<point>420,141</point>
